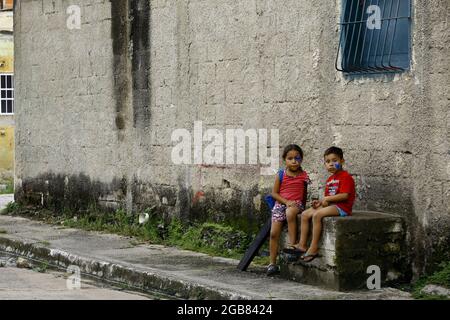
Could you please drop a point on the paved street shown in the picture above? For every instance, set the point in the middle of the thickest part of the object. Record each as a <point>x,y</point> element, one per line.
<point>5,199</point>
<point>25,284</point>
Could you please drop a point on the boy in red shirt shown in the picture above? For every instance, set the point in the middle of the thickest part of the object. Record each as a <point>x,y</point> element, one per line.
<point>338,201</point>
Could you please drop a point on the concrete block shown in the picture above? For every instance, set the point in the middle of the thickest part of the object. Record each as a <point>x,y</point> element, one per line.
<point>348,246</point>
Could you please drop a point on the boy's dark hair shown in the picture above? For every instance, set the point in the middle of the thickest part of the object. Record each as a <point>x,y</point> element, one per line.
<point>334,150</point>
<point>290,148</point>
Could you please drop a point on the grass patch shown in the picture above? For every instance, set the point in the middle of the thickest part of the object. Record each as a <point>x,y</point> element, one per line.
<point>261,261</point>
<point>440,277</point>
<point>11,208</point>
<point>9,186</point>
<point>3,231</point>
<point>211,238</point>
<point>42,268</point>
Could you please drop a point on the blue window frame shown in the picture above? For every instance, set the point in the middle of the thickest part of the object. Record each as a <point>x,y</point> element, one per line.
<point>375,36</point>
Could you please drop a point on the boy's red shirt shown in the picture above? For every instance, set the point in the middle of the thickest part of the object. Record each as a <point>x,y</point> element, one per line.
<point>342,182</point>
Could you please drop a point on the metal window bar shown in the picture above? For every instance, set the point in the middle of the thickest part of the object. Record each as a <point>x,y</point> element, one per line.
<point>6,94</point>
<point>365,50</point>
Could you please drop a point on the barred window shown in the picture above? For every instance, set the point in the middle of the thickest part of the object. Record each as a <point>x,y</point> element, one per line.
<point>7,94</point>
<point>375,36</point>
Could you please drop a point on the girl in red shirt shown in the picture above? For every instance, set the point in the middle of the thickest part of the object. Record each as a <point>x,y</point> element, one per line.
<point>288,191</point>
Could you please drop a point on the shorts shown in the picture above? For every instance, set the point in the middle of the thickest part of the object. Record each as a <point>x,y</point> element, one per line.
<point>342,213</point>
<point>279,211</point>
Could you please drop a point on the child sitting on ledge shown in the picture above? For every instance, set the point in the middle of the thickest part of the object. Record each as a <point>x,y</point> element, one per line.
<point>288,191</point>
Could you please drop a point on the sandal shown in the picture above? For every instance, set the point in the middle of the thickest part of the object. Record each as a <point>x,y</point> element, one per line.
<point>272,269</point>
<point>294,250</point>
<point>308,257</point>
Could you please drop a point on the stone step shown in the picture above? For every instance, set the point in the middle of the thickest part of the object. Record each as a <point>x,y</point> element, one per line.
<point>348,246</point>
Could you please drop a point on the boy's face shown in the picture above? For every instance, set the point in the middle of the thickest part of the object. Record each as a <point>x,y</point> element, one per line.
<point>293,160</point>
<point>333,163</point>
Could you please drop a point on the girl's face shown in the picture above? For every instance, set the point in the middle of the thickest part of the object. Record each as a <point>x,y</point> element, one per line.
<point>293,160</point>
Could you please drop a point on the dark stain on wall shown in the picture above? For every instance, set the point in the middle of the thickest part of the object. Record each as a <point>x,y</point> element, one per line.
<point>72,192</point>
<point>130,28</point>
<point>437,246</point>
<point>140,63</point>
<point>119,36</point>
<point>239,212</point>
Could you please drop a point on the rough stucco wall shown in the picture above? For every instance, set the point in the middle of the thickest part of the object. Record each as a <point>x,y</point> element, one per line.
<point>396,131</point>
<point>65,96</point>
<point>231,64</point>
<point>431,127</point>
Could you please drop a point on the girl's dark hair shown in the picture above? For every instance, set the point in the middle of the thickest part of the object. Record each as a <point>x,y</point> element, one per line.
<point>290,148</point>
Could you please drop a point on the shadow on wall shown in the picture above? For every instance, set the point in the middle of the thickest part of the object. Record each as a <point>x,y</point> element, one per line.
<point>79,193</point>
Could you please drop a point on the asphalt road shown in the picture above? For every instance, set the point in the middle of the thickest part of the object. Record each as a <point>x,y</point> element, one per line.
<point>5,199</point>
<point>27,284</point>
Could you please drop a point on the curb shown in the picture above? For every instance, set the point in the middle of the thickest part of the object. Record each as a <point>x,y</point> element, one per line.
<point>144,281</point>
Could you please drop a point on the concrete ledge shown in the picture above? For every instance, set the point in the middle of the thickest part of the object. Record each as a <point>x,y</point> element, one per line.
<point>348,247</point>
<point>167,271</point>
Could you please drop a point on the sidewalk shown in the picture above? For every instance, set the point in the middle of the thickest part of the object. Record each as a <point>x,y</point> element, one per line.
<point>154,268</point>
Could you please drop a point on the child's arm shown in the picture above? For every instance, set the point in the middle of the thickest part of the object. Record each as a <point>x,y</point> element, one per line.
<point>333,199</point>
<point>276,193</point>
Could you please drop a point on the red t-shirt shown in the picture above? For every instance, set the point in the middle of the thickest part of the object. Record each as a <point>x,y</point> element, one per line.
<point>341,182</point>
<point>292,188</point>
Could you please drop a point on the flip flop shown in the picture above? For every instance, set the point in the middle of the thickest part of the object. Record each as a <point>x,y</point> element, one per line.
<point>294,250</point>
<point>308,257</point>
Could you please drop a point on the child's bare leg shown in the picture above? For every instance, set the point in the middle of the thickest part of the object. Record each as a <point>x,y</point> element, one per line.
<point>317,226</point>
<point>306,217</point>
<point>275,232</point>
<point>291,216</point>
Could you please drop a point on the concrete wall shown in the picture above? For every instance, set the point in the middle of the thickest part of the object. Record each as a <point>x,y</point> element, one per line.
<point>96,107</point>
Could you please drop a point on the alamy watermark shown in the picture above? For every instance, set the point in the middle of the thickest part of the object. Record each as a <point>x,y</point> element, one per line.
<point>374,19</point>
<point>374,281</point>
<point>229,146</point>
<point>73,282</point>
<point>74,17</point>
